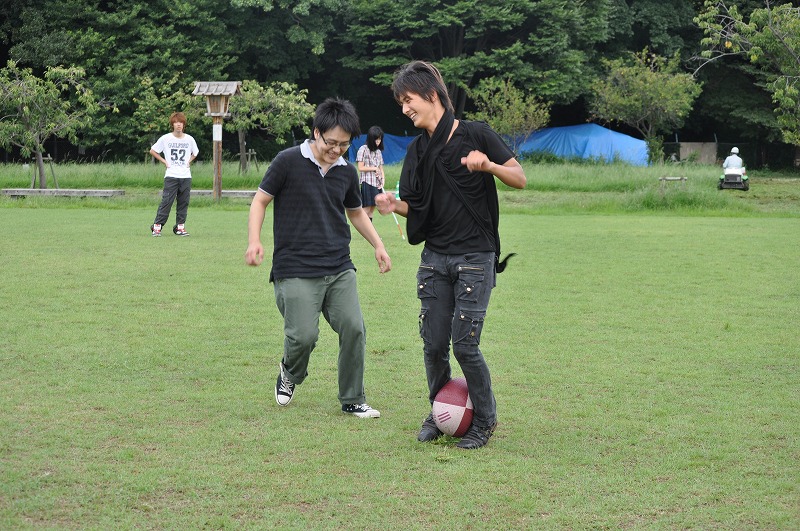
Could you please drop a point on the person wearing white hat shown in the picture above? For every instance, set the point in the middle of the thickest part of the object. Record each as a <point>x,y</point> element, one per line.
<point>733,160</point>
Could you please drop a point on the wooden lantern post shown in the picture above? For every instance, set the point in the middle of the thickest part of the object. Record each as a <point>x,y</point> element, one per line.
<point>217,94</point>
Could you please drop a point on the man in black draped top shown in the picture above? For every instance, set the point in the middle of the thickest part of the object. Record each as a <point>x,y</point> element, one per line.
<point>449,199</point>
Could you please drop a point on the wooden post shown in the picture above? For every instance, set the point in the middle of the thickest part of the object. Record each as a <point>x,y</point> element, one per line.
<point>217,138</point>
<point>217,94</point>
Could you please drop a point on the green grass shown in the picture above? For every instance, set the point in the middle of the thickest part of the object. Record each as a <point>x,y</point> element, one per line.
<point>645,364</point>
<point>134,177</point>
<point>554,188</point>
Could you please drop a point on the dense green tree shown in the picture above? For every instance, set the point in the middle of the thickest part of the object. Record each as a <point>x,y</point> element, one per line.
<point>275,109</point>
<point>307,23</point>
<point>9,13</point>
<point>546,46</point>
<point>663,26</point>
<point>160,47</point>
<point>770,40</point>
<point>143,56</point>
<point>646,92</point>
<point>121,45</point>
<point>512,112</point>
<point>33,109</point>
<point>735,105</point>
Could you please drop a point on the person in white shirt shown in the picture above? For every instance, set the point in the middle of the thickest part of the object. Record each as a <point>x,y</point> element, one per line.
<point>179,150</point>
<point>733,160</point>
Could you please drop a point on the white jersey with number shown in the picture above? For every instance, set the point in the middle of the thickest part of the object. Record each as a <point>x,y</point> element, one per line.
<point>178,152</point>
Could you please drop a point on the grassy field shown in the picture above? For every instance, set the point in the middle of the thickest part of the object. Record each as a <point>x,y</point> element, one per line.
<point>643,347</point>
<point>555,188</point>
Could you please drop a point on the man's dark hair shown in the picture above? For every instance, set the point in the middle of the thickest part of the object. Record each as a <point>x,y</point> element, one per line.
<point>419,77</point>
<point>374,134</point>
<point>335,112</point>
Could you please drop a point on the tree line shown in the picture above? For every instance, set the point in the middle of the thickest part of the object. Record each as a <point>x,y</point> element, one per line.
<point>574,60</point>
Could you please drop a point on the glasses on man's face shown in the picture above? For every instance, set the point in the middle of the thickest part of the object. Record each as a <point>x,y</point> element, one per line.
<point>332,144</point>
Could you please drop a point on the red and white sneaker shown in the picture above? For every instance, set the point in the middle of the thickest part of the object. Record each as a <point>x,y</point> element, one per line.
<point>180,230</point>
<point>156,228</point>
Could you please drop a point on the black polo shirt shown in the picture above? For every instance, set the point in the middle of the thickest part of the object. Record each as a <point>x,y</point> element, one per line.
<point>310,229</point>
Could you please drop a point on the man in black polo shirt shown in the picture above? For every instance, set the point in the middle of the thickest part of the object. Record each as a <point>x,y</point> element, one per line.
<point>315,191</point>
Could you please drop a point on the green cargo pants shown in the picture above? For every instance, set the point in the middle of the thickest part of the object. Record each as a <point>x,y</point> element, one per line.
<point>300,301</point>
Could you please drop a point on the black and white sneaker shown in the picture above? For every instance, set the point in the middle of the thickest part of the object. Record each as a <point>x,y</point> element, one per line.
<point>361,410</point>
<point>180,230</point>
<point>284,388</point>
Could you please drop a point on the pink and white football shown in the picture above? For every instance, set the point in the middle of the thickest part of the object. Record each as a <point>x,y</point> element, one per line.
<point>452,408</point>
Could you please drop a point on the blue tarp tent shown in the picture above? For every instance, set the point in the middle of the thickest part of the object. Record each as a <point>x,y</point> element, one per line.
<point>394,149</point>
<point>588,141</point>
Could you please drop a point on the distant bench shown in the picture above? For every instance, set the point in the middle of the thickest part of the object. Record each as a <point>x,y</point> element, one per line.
<point>60,192</point>
<point>244,194</point>
<point>665,180</point>
<point>71,192</point>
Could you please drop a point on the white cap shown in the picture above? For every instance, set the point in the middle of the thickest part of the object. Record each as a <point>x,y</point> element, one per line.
<point>735,150</point>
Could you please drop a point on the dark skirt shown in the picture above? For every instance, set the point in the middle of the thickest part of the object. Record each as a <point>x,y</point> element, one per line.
<point>368,193</point>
